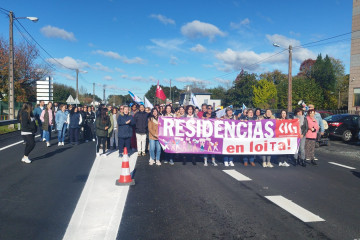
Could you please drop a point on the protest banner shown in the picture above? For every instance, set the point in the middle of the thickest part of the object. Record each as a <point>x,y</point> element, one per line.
<point>223,136</point>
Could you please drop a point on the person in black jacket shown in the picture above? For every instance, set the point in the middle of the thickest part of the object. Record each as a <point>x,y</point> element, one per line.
<point>125,123</point>
<point>28,129</point>
<point>141,128</point>
<point>102,126</point>
<point>89,125</point>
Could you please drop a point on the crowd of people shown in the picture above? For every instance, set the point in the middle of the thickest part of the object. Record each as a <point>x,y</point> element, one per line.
<point>136,128</point>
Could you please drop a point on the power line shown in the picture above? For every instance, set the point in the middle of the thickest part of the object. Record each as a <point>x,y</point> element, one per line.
<point>43,48</point>
<point>4,9</point>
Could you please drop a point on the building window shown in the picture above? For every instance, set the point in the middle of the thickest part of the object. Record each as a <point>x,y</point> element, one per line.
<point>356,97</point>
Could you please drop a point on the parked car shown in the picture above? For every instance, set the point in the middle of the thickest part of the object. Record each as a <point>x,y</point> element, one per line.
<point>324,114</point>
<point>345,126</point>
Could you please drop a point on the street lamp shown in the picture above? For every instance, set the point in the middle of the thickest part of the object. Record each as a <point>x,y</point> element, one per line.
<point>289,108</point>
<point>11,62</point>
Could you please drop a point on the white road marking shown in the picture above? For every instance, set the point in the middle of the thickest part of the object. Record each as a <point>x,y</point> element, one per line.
<point>344,166</point>
<point>99,210</point>
<point>3,148</point>
<point>238,176</point>
<point>294,209</point>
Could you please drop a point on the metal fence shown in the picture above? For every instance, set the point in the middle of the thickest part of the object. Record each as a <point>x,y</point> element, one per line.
<point>4,110</point>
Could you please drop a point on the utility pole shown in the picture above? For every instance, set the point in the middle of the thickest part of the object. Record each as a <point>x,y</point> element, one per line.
<point>290,81</point>
<point>77,84</point>
<point>11,69</point>
<point>170,91</point>
<point>104,96</point>
<point>94,94</point>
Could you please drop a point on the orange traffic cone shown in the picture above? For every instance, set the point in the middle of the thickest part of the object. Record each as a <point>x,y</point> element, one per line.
<point>125,177</point>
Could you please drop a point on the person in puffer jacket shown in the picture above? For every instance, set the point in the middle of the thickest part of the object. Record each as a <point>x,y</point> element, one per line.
<point>125,131</point>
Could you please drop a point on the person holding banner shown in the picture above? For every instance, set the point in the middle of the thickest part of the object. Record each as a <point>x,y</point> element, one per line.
<point>229,159</point>
<point>189,113</point>
<point>168,112</point>
<point>311,135</point>
<point>203,110</point>
<point>283,116</point>
<point>155,148</point>
<point>249,116</point>
<point>181,112</point>
<point>267,159</point>
<point>125,131</point>
<point>209,114</point>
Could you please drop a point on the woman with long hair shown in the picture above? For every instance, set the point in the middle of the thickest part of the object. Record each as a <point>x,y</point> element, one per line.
<point>283,116</point>
<point>102,125</point>
<point>48,119</point>
<point>61,124</point>
<point>155,148</point>
<point>74,120</point>
<point>229,159</point>
<point>28,130</point>
<point>168,112</point>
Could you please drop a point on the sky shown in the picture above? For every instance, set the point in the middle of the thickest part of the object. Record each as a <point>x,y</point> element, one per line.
<point>133,44</point>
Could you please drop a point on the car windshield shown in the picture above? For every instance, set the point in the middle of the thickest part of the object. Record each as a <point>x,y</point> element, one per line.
<point>334,117</point>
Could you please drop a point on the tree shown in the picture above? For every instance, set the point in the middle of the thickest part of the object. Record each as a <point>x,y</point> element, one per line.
<point>265,94</point>
<point>62,92</point>
<point>242,90</point>
<point>175,94</point>
<point>26,70</point>
<point>306,68</point>
<point>217,92</point>
<point>323,73</point>
<point>275,76</point>
<point>307,90</point>
<point>119,99</point>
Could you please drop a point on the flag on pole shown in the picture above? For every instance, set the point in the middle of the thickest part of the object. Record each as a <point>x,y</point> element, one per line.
<point>159,92</point>
<point>244,107</point>
<point>136,98</point>
<point>194,101</point>
<point>148,103</point>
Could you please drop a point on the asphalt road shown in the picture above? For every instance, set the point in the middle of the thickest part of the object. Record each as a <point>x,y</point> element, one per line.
<point>197,202</point>
<point>37,200</point>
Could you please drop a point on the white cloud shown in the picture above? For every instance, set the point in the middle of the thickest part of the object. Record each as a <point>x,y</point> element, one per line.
<point>221,80</point>
<point>173,60</point>
<point>69,62</point>
<point>91,45</point>
<point>66,76</point>
<point>198,48</point>
<point>54,32</point>
<point>98,66</point>
<point>196,29</point>
<point>139,78</point>
<point>124,59</point>
<point>119,70</point>
<point>250,60</point>
<point>116,88</point>
<point>191,80</point>
<point>244,22</point>
<point>108,78</point>
<point>163,19</point>
<point>172,44</point>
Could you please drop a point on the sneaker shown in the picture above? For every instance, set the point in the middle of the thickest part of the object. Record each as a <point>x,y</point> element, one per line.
<point>252,164</point>
<point>93,139</point>
<point>44,139</point>
<point>205,164</point>
<point>231,164</point>
<point>48,144</point>
<point>166,161</point>
<point>139,153</point>
<point>281,164</point>
<point>315,159</point>
<point>269,165</point>
<point>98,154</point>
<point>151,162</point>
<point>264,164</point>
<point>59,144</point>
<point>214,164</point>
<point>62,144</point>
<point>26,160</point>
<point>171,162</point>
<point>226,164</point>
<point>285,164</point>
<point>120,155</point>
<point>143,153</point>
<point>158,163</point>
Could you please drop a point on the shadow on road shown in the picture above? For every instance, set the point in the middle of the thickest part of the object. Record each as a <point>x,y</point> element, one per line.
<point>50,154</point>
<point>356,174</point>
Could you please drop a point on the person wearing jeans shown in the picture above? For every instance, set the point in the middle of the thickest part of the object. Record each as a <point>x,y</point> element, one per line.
<point>74,119</point>
<point>61,126</point>
<point>48,119</point>
<point>248,158</point>
<point>102,126</point>
<point>125,131</point>
<point>155,148</point>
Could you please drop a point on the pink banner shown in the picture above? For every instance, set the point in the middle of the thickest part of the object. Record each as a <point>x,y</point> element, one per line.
<point>222,136</point>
